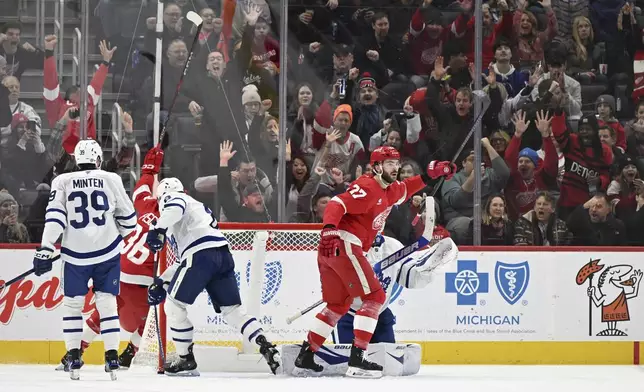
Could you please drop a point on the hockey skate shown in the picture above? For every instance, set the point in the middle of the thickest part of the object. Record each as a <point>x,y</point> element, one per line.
<point>185,365</point>
<point>305,363</point>
<point>74,363</point>
<point>359,367</point>
<point>64,362</point>
<point>270,353</point>
<point>125,359</point>
<point>111,363</point>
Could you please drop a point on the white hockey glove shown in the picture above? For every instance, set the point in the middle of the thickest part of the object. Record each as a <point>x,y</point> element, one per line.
<point>418,274</point>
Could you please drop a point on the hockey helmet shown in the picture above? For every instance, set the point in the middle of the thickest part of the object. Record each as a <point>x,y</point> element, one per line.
<point>383,153</point>
<point>88,152</point>
<point>167,185</point>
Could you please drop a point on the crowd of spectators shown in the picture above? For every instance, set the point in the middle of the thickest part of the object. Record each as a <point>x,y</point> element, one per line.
<point>563,137</point>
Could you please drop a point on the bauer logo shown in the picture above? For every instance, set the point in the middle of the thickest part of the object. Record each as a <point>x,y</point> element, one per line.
<point>512,280</point>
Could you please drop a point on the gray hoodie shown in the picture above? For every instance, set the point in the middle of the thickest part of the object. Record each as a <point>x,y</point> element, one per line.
<point>456,202</point>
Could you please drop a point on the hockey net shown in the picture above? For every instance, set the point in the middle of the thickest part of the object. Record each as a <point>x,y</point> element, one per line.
<point>257,249</point>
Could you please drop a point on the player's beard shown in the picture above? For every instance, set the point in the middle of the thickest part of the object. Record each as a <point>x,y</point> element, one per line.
<point>387,178</point>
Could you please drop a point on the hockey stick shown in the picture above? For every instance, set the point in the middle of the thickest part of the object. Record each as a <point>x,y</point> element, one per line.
<point>156,318</point>
<point>485,101</point>
<point>401,254</point>
<point>23,275</point>
<point>198,21</point>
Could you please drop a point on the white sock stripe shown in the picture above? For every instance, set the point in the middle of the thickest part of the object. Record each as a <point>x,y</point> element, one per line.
<point>321,328</point>
<point>135,338</point>
<point>364,323</point>
<point>358,268</point>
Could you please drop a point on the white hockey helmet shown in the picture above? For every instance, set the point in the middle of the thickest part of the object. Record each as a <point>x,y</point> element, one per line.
<point>167,185</point>
<point>88,152</point>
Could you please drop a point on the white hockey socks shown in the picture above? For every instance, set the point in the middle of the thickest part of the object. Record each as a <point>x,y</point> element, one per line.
<point>73,321</point>
<point>236,317</point>
<point>135,339</point>
<point>181,328</point>
<point>110,327</point>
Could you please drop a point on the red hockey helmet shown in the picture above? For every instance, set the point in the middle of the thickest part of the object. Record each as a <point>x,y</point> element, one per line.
<point>383,153</point>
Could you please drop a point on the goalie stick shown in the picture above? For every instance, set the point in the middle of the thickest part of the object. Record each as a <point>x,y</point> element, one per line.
<point>485,102</point>
<point>391,260</point>
<point>24,275</point>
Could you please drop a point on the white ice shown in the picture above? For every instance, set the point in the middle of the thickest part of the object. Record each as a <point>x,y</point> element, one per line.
<point>443,378</point>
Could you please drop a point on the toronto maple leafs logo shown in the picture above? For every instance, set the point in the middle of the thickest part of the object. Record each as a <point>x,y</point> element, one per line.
<point>384,281</point>
<point>512,280</point>
<point>272,279</point>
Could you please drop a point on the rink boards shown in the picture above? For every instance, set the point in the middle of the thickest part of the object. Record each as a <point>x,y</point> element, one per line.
<point>516,305</point>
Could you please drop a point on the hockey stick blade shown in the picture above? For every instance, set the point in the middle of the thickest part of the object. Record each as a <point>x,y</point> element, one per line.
<point>194,18</point>
<point>24,275</point>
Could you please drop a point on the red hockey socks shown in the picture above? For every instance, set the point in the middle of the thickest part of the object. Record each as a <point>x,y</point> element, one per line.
<point>366,318</point>
<point>324,323</point>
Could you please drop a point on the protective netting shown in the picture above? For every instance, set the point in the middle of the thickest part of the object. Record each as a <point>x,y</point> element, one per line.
<point>214,331</point>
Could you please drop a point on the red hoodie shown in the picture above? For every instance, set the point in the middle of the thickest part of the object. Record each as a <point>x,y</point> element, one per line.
<point>521,194</point>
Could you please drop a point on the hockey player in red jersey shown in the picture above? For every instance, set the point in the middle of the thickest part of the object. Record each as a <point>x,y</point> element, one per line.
<point>351,222</point>
<point>137,268</point>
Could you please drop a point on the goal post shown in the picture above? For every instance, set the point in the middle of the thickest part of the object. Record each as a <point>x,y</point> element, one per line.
<point>268,259</point>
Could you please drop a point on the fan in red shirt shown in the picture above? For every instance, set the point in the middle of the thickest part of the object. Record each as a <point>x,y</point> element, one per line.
<point>527,178</point>
<point>351,222</point>
<point>137,268</point>
<point>588,161</point>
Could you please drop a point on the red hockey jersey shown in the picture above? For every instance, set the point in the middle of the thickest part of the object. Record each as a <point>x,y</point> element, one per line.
<point>56,105</point>
<point>137,261</point>
<point>361,212</point>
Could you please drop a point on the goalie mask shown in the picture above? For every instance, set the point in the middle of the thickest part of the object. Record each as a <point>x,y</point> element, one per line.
<point>88,152</point>
<point>168,185</point>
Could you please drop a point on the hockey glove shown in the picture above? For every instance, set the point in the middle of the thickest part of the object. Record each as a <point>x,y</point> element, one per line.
<point>153,161</point>
<point>156,239</point>
<point>437,169</point>
<point>156,292</point>
<point>43,260</point>
<point>330,242</point>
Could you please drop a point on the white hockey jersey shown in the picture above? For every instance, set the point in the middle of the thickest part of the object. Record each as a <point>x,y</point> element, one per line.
<point>413,272</point>
<point>190,222</point>
<point>93,212</point>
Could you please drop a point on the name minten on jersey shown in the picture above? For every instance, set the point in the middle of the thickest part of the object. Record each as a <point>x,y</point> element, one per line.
<point>93,213</point>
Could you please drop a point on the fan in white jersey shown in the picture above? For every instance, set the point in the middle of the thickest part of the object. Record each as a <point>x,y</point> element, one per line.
<point>206,263</point>
<point>92,212</point>
<point>414,272</point>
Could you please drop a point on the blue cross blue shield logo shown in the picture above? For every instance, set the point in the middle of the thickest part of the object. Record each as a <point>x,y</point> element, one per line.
<point>466,282</point>
<point>512,280</point>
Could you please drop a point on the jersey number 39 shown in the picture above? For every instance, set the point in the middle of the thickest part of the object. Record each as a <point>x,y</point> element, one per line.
<point>86,207</point>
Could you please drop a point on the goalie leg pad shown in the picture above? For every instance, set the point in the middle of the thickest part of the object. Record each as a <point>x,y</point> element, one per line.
<point>181,328</point>
<point>73,321</point>
<point>238,319</point>
<point>109,322</point>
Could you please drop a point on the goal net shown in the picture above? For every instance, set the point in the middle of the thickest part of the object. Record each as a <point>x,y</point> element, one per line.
<point>269,259</point>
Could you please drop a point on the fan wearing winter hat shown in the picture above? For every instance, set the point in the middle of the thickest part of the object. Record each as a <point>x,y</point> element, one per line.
<point>252,103</point>
<point>588,161</point>
<point>368,114</point>
<point>605,106</point>
<point>346,150</point>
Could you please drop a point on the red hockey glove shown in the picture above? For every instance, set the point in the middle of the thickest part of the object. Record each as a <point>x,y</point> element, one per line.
<point>437,169</point>
<point>330,242</point>
<point>153,161</point>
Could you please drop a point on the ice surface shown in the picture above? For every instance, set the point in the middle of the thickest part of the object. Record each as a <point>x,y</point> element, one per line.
<point>443,378</point>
